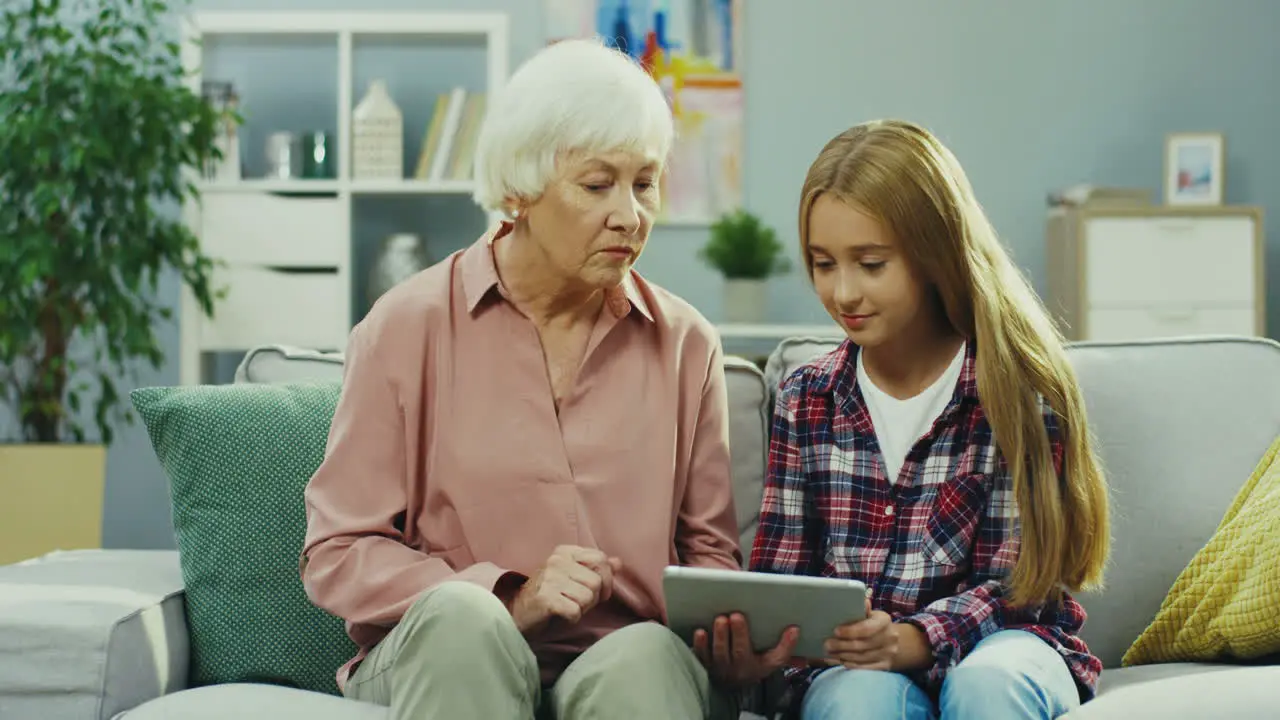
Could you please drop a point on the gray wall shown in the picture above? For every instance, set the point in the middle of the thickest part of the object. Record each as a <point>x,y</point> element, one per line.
<point>1031,96</point>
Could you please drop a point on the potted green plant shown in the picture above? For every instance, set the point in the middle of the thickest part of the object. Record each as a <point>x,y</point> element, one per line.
<point>100,137</point>
<point>746,252</point>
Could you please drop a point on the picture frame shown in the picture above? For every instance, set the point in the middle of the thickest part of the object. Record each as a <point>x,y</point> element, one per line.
<point>1195,168</point>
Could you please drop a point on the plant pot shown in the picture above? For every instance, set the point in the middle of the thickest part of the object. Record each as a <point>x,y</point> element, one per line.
<point>744,300</point>
<point>50,498</point>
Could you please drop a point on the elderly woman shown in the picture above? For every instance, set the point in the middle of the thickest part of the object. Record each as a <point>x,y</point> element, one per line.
<point>528,433</point>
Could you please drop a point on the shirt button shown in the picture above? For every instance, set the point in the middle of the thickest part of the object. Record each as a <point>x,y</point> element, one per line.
<point>888,509</point>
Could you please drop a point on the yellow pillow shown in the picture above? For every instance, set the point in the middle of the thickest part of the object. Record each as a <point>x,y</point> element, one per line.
<point>1226,603</point>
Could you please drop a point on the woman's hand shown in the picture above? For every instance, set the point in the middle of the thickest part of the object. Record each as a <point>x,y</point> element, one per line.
<point>571,582</point>
<point>729,656</point>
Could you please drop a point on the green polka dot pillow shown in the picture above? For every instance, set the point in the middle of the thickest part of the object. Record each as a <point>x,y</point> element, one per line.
<point>238,458</point>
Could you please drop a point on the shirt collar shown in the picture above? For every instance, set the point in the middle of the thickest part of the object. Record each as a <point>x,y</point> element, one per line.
<point>841,378</point>
<point>480,276</point>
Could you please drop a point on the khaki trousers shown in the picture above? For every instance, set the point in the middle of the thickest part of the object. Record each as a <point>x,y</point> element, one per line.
<point>457,655</point>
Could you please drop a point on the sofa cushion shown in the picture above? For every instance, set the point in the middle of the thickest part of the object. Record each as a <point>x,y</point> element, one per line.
<point>791,353</point>
<point>285,363</point>
<point>245,701</point>
<point>88,633</point>
<point>238,458</point>
<point>748,427</point>
<point>1116,678</point>
<point>1226,603</point>
<point>1236,693</point>
<point>1180,425</point>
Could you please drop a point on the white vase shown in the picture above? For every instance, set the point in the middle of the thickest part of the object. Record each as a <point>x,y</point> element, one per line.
<point>228,141</point>
<point>400,257</point>
<point>744,300</point>
<point>377,136</point>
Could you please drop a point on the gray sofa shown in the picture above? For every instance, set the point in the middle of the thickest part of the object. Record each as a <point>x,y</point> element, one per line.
<point>1181,424</point>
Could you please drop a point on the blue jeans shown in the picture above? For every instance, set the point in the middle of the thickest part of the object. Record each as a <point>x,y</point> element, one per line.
<point>1010,674</point>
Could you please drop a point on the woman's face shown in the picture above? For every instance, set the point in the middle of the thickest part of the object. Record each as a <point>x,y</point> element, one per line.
<point>593,219</point>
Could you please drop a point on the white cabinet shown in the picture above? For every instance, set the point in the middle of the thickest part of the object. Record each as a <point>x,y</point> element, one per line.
<point>251,228</point>
<point>284,266</point>
<point>1156,271</point>
<point>304,307</point>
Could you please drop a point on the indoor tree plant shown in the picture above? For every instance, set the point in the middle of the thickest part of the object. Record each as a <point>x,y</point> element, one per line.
<point>746,252</point>
<point>100,137</point>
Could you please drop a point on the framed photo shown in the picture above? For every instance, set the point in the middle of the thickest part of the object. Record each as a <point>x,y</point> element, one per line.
<point>1194,168</point>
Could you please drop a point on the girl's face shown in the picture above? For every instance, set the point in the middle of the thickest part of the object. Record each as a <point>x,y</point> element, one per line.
<point>863,279</point>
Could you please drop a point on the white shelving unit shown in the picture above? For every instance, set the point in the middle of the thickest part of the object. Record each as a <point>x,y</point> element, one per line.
<point>737,331</point>
<point>407,186</point>
<point>287,244</point>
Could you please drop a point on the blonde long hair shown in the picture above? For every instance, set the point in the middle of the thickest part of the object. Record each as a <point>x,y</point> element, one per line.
<point>902,175</point>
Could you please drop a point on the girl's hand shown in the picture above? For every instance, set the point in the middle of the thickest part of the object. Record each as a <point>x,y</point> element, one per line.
<point>869,644</point>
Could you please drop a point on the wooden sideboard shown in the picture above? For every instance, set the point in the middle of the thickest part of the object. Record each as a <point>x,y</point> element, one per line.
<point>1131,273</point>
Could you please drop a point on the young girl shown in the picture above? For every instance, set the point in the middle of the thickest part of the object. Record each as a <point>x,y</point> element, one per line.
<point>940,454</point>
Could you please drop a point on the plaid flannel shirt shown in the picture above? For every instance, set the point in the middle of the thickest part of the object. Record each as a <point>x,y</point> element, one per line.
<point>932,547</point>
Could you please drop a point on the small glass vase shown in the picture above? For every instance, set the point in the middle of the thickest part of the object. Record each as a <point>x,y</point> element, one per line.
<point>400,256</point>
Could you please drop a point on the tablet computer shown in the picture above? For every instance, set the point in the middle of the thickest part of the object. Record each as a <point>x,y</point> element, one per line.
<point>770,602</point>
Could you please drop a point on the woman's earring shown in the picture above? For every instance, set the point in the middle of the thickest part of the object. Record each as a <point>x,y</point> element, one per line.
<point>513,214</point>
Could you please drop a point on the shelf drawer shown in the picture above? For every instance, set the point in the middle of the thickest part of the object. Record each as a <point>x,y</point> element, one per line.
<point>266,306</point>
<point>261,229</point>
<point>1170,262</point>
<point>1149,323</point>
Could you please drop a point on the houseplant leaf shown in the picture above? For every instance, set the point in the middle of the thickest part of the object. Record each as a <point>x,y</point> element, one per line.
<point>741,246</point>
<point>100,136</point>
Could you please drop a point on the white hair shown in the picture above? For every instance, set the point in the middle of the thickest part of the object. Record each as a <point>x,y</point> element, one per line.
<point>572,96</point>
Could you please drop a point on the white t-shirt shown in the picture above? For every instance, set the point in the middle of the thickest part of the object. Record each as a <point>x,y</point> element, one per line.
<point>900,423</point>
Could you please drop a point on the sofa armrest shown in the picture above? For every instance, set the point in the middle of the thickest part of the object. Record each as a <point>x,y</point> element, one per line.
<point>91,633</point>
